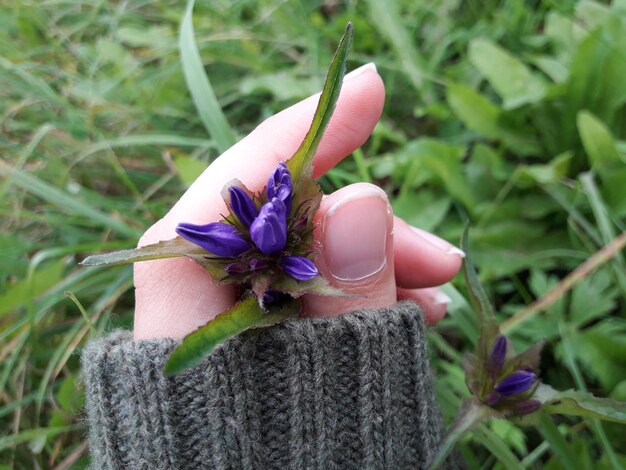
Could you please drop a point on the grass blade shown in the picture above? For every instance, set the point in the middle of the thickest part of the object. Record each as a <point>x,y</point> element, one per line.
<point>389,23</point>
<point>63,200</point>
<point>200,87</point>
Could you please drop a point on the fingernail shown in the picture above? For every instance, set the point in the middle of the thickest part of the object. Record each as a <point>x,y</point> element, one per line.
<point>360,70</point>
<point>441,298</point>
<point>355,231</point>
<point>439,243</point>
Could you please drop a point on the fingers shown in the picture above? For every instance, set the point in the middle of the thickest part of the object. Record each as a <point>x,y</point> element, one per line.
<point>173,297</point>
<point>434,302</point>
<point>354,233</point>
<point>256,156</point>
<point>423,259</point>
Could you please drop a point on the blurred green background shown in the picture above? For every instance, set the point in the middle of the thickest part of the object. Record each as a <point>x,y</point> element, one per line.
<point>509,112</point>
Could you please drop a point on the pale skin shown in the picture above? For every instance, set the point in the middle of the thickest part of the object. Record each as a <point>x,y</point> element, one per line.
<point>360,246</point>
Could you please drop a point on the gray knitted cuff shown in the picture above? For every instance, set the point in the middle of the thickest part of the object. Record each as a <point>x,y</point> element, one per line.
<point>349,392</point>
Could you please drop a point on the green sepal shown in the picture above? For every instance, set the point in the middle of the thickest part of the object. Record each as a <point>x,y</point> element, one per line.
<point>301,163</point>
<point>244,315</point>
<point>530,358</point>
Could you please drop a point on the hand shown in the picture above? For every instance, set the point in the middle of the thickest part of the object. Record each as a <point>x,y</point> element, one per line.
<point>364,249</point>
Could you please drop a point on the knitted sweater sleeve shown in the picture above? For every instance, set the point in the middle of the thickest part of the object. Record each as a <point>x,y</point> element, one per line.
<point>351,392</point>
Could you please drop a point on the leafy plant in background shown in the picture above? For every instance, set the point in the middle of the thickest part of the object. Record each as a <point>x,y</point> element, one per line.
<point>507,385</point>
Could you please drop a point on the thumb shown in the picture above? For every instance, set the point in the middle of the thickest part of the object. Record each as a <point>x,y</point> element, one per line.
<point>354,236</point>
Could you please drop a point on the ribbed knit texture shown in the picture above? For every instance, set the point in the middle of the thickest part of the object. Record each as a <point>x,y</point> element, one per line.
<point>351,392</point>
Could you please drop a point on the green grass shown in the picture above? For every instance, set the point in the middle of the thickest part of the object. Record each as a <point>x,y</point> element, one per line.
<point>512,113</point>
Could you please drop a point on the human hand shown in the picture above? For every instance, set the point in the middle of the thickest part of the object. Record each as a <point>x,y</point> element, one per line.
<point>364,249</point>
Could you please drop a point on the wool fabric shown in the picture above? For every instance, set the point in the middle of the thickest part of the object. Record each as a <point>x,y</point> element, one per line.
<point>348,392</point>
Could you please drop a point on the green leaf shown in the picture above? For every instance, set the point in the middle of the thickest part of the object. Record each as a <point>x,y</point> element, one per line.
<point>597,140</point>
<point>478,296</point>
<point>433,208</point>
<point>482,116</point>
<point>476,111</point>
<point>301,163</point>
<point>445,161</point>
<point>601,348</point>
<point>188,169</point>
<point>283,86</point>
<point>200,87</point>
<point>558,444</point>
<point>597,71</point>
<point>24,290</point>
<point>547,173</point>
<point>164,249</point>
<point>241,317</point>
<point>576,403</point>
<point>392,26</point>
<point>12,440</point>
<point>509,77</point>
<point>592,299</point>
<point>614,191</point>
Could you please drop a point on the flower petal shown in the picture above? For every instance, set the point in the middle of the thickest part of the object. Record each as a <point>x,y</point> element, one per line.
<point>242,205</point>
<point>497,356</point>
<point>298,267</point>
<point>280,185</point>
<point>269,229</point>
<point>216,237</point>
<point>517,382</point>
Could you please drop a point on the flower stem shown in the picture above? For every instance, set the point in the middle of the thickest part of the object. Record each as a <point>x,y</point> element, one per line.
<point>470,415</point>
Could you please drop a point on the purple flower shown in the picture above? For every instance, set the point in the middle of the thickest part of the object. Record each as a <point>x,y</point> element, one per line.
<point>242,205</point>
<point>517,382</point>
<point>280,185</point>
<point>216,237</point>
<point>269,229</point>
<point>298,267</point>
<point>498,355</point>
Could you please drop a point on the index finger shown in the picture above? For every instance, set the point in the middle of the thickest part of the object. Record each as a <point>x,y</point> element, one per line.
<point>254,158</point>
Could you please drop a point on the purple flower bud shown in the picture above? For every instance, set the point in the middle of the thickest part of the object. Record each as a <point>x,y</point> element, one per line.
<point>298,224</point>
<point>493,398</point>
<point>526,407</point>
<point>235,269</point>
<point>498,355</point>
<point>217,238</point>
<point>258,264</point>
<point>517,382</point>
<point>298,267</point>
<point>242,205</point>
<point>269,229</point>
<point>280,185</point>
